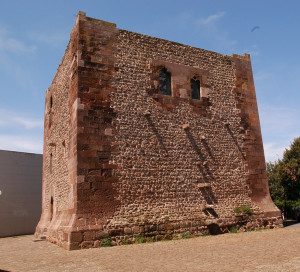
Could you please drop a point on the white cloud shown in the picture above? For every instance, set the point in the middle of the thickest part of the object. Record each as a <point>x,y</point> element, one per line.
<point>210,27</point>
<point>8,43</point>
<point>13,45</point>
<point>262,76</point>
<point>51,39</point>
<point>14,119</point>
<point>21,143</point>
<point>13,67</point>
<point>20,73</point>
<point>279,121</point>
<point>280,125</point>
<point>28,123</point>
<point>19,132</point>
<point>211,19</point>
<point>273,151</point>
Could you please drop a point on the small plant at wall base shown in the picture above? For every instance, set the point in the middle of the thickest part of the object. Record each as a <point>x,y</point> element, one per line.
<point>233,229</point>
<point>168,236</point>
<point>106,243</point>
<point>149,239</point>
<point>244,209</point>
<point>140,239</point>
<point>186,235</point>
<point>125,241</point>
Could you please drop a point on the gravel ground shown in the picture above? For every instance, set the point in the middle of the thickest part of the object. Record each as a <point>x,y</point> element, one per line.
<point>268,250</point>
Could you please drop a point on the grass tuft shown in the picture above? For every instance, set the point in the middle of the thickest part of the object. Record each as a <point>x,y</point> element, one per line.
<point>106,243</point>
<point>233,229</point>
<point>243,209</point>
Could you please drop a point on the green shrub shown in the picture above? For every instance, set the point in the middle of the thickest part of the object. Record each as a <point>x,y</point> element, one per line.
<point>149,239</point>
<point>186,235</point>
<point>106,243</point>
<point>140,239</point>
<point>243,209</point>
<point>237,210</point>
<point>233,229</point>
<point>125,241</point>
<point>289,206</point>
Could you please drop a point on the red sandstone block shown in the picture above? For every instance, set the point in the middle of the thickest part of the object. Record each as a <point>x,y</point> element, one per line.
<point>127,231</point>
<point>103,146</point>
<point>109,166</point>
<point>86,244</point>
<point>85,186</point>
<point>101,234</point>
<point>87,153</point>
<point>75,237</point>
<point>93,227</point>
<point>74,246</point>
<point>135,229</point>
<point>89,235</point>
<point>80,179</point>
<point>94,172</point>
<point>115,232</point>
<point>87,164</point>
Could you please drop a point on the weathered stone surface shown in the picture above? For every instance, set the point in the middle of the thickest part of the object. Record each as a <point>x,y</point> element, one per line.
<point>101,234</point>
<point>76,237</point>
<point>127,231</point>
<point>89,235</point>
<point>87,244</point>
<point>123,159</point>
<point>136,229</point>
<point>97,243</point>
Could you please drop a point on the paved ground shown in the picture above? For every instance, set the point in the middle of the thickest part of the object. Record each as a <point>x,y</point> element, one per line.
<point>270,250</point>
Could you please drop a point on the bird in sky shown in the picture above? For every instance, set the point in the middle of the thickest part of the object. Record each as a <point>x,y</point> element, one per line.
<point>254,28</point>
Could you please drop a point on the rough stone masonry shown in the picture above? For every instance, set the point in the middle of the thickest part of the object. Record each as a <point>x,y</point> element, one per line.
<point>148,137</point>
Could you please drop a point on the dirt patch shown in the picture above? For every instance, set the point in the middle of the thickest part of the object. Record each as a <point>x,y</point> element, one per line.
<point>270,250</point>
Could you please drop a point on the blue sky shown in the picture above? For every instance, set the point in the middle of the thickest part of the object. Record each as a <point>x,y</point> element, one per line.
<point>34,35</point>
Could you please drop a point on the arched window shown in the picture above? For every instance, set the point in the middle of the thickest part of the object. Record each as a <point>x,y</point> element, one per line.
<point>195,87</point>
<point>165,82</point>
<point>51,102</point>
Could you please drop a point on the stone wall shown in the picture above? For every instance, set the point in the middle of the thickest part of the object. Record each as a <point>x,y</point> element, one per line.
<point>150,164</point>
<point>60,154</point>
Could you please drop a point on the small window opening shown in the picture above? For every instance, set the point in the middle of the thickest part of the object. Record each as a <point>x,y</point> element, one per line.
<point>51,102</point>
<point>51,208</point>
<point>50,166</point>
<point>195,86</point>
<point>64,148</point>
<point>165,82</point>
<point>50,111</point>
<point>49,120</point>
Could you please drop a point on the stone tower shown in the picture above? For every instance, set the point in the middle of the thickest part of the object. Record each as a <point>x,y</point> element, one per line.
<point>145,136</point>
